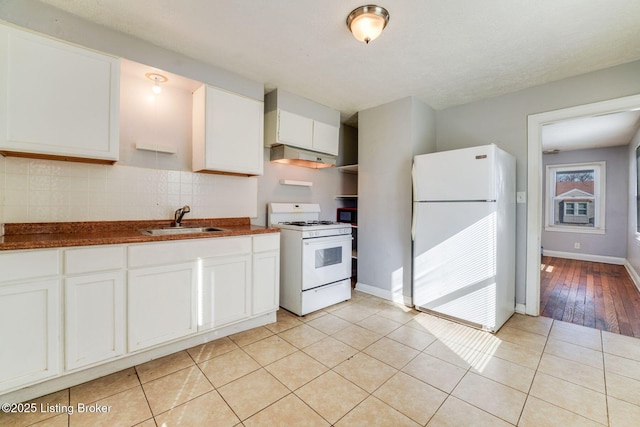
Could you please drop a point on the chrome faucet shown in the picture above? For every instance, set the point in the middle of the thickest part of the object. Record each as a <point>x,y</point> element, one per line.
<point>180,212</point>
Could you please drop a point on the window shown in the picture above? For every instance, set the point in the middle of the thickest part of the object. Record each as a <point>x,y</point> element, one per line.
<point>575,198</point>
<point>569,208</point>
<point>582,209</point>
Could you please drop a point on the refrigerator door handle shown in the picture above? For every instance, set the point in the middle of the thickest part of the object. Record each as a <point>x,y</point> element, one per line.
<point>413,223</point>
<point>413,213</point>
<point>414,182</point>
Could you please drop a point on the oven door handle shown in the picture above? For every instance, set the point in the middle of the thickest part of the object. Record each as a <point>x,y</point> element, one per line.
<point>328,239</point>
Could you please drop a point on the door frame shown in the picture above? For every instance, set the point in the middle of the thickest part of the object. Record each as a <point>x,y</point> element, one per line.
<point>534,182</point>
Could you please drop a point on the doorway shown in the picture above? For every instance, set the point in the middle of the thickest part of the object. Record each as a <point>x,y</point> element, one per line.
<point>535,187</point>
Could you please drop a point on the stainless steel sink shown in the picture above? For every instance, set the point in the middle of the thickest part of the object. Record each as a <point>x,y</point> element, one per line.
<point>180,230</point>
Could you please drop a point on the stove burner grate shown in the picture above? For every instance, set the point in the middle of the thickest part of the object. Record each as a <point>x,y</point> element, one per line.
<point>307,223</point>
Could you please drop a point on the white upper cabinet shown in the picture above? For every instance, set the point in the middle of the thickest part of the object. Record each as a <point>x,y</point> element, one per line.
<point>325,138</point>
<point>57,99</point>
<point>227,132</point>
<point>295,130</point>
<point>299,122</point>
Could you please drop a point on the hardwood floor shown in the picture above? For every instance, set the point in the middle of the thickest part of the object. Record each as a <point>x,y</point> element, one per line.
<point>597,295</point>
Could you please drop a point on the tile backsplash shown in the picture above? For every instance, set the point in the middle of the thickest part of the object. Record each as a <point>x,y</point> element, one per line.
<point>33,190</point>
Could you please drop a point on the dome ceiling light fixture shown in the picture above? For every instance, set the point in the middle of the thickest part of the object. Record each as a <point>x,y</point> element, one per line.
<point>157,79</point>
<point>367,22</point>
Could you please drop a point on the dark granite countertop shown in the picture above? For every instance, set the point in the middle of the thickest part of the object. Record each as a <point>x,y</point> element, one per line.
<point>64,234</point>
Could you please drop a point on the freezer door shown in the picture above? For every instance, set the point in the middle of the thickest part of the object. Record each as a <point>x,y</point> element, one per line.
<point>466,174</point>
<point>454,260</point>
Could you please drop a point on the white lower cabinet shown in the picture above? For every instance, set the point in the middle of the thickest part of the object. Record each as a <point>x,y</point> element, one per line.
<point>224,293</point>
<point>115,300</point>
<point>266,274</point>
<point>94,318</point>
<point>162,304</point>
<point>29,332</point>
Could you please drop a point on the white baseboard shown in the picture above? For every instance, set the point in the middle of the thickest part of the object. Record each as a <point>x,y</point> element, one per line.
<point>383,293</point>
<point>633,273</point>
<point>585,257</point>
<point>521,308</point>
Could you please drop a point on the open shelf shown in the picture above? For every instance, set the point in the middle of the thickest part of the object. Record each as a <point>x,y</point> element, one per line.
<point>348,169</point>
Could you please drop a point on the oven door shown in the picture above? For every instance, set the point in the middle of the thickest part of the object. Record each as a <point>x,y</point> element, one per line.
<point>325,260</point>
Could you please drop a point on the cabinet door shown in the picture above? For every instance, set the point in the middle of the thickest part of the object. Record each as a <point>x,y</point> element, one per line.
<point>29,331</point>
<point>161,304</point>
<point>295,130</point>
<point>60,99</point>
<point>233,133</point>
<point>266,282</point>
<point>326,138</point>
<point>94,318</point>
<point>225,289</point>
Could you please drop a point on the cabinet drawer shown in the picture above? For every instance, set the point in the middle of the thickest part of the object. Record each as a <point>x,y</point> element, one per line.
<point>266,242</point>
<point>163,253</point>
<point>101,258</point>
<point>29,264</point>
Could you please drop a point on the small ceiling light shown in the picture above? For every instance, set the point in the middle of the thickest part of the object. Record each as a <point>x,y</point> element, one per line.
<point>367,22</point>
<point>157,79</point>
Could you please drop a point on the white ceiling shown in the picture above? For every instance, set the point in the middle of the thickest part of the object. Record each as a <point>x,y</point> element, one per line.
<point>607,130</point>
<point>444,52</point>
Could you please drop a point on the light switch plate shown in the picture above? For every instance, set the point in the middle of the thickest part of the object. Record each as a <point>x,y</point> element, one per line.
<point>521,197</point>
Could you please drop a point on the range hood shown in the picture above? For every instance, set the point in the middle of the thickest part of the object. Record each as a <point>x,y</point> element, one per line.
<point>299,157</point>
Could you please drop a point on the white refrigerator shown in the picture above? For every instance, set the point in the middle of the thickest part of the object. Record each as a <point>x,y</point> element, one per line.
<point>463,234</point>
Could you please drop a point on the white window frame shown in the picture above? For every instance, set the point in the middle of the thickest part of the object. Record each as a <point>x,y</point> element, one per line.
<point>599,205</point>
<point>586,209</point>
<point>566,208</point>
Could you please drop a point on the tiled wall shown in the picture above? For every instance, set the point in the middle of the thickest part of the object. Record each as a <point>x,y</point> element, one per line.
<point>55,191</point>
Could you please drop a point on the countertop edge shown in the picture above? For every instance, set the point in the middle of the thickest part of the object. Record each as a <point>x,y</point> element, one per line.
<point>115,236</point>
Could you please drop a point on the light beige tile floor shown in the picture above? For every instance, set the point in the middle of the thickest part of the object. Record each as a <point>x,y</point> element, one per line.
<point>368,362</point>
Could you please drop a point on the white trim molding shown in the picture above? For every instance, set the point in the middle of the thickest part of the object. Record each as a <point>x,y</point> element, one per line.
<point>632,273</point>
<point>385,294</point>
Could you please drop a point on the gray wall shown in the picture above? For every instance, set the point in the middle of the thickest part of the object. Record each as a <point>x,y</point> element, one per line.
<point>388,138</point>
<point>614,242</point>
<point>327,183</point>
<point>503,120</point>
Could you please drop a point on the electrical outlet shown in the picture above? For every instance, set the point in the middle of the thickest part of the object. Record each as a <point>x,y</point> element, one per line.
<point>576,245</point>
<point>521,197</point>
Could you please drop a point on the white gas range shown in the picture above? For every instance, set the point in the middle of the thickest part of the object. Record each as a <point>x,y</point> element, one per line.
<point>315,257</point>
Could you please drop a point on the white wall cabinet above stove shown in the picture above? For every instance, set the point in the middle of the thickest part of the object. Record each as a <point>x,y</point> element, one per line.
<point>58,99</point>
<point>227,132</point>
<point>299,122</point>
